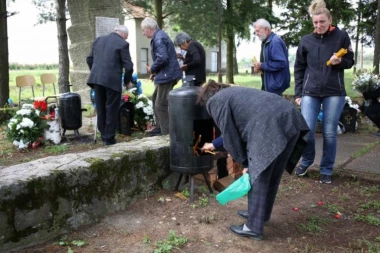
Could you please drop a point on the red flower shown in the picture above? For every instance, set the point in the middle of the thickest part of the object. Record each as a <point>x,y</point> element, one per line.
<point>126,98</point>
<point>40,105</point>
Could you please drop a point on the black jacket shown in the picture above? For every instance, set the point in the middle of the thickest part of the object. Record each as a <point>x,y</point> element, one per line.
<point>108,57</point>
<point>195,59</point>
<point>312,75</point>
<point>165,64</point>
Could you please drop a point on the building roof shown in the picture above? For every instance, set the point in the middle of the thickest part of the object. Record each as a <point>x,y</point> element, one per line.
<point>135,11</point>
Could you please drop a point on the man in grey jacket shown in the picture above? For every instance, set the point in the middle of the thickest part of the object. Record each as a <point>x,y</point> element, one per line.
<point>165,72</point>
<point>263,132</point>
<point>108,57</point>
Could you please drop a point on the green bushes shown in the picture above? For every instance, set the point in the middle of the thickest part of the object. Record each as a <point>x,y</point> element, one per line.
<point>18,66</point>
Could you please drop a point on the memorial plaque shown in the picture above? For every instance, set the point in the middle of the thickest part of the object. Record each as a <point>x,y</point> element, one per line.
<point>105,26</point>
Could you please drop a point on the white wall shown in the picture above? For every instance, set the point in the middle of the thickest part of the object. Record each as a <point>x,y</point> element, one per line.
<point>136,42</point>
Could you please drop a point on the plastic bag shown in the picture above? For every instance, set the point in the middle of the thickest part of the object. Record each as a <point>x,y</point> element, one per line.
<point>236,190</point>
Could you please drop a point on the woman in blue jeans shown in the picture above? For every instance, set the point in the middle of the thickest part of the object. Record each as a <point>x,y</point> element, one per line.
<point>319,81</point>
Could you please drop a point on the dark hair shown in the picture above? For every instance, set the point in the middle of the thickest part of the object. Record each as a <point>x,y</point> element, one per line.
<point>209,90</point>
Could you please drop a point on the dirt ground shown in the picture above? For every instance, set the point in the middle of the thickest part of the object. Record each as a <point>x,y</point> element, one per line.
<point>303,220</point>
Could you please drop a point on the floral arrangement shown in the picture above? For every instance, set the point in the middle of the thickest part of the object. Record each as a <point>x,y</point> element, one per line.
<point>366,81</point>
<point>26,127</point>
<point>143,113</point>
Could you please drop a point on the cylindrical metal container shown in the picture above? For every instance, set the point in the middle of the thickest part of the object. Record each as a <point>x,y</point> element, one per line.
<point>70,111</point>
<point>190,126</point>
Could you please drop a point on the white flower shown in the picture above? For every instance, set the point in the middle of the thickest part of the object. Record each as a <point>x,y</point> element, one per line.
<point>38,112</point>
<point>140,104</point>
<point>18,126</point>
<point>132,90</point>
<point>24,112</point>
<point>26,122</point>
<point>27,106</point>
<point>20,144</point>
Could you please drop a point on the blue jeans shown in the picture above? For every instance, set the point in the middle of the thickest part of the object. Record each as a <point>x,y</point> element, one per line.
<point>332,108</point>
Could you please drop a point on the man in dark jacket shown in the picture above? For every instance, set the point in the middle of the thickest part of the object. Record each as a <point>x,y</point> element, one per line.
<point>108,57</point>
<point>165,71</point>
<point>266,137</point>
<point>274,63</point>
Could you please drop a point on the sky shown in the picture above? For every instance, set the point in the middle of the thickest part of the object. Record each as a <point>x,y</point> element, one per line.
<point>29,43</point>
<point>37,44</point>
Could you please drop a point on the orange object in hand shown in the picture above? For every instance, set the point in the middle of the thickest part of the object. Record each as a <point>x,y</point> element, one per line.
<point>339,54</point>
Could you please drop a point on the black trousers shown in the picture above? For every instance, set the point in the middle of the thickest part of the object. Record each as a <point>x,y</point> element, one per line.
<point>107,108</point>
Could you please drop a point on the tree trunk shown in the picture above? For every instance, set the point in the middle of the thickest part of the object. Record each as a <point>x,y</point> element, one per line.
<point>236,66</point>
<point>376,57</point>
<point>63,51</point>
<point>158,12</point>
<point>357,38</point>
<point>220,79</point>
<point>230,47</point>
<point>4,58</point>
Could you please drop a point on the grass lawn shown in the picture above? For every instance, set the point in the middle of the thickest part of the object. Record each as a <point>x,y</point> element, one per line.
<point>245,80</point>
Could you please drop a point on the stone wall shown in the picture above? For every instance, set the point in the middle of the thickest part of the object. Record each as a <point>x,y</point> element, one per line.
<point>50,196</point>
<point>82,34</point>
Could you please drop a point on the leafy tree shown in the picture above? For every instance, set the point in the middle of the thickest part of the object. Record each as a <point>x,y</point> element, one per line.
<point>4,58</point>
<point>297,21</point>
<point>200,20</point>
<point>56,10</point>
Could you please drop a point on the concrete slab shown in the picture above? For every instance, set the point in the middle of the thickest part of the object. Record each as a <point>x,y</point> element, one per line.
<point>348,145</point>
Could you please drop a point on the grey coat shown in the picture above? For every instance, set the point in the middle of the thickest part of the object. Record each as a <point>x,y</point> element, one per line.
<point>256,126</point>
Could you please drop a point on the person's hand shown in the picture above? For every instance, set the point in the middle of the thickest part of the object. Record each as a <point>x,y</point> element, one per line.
<point>184,67</point>
<point>129,85</point>
<point>335,60</point>
<point>256,67</point>
<point>245,170</point>
<point>180,56</point>
<point>151,77</point>
<point>298,101</point>
<point>147,68</point>
<point>208,146</point>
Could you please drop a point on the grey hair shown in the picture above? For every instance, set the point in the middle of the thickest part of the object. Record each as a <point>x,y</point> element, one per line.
<point>121,28</point>
<point>149,22</point>
<point>181,38</point>
<point>263,23</point>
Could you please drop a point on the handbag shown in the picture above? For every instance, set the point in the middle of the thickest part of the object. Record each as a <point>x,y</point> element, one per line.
<point>236,190</point>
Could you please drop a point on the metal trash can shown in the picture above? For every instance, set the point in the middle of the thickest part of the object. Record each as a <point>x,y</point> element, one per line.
<point>190,126</point>
<point>70,112</point>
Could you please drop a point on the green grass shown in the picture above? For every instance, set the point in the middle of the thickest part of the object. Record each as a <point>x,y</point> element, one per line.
<point>172,242</point>
<point>27,92</point>
<point>246,80</point>
<point>313,225</point>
